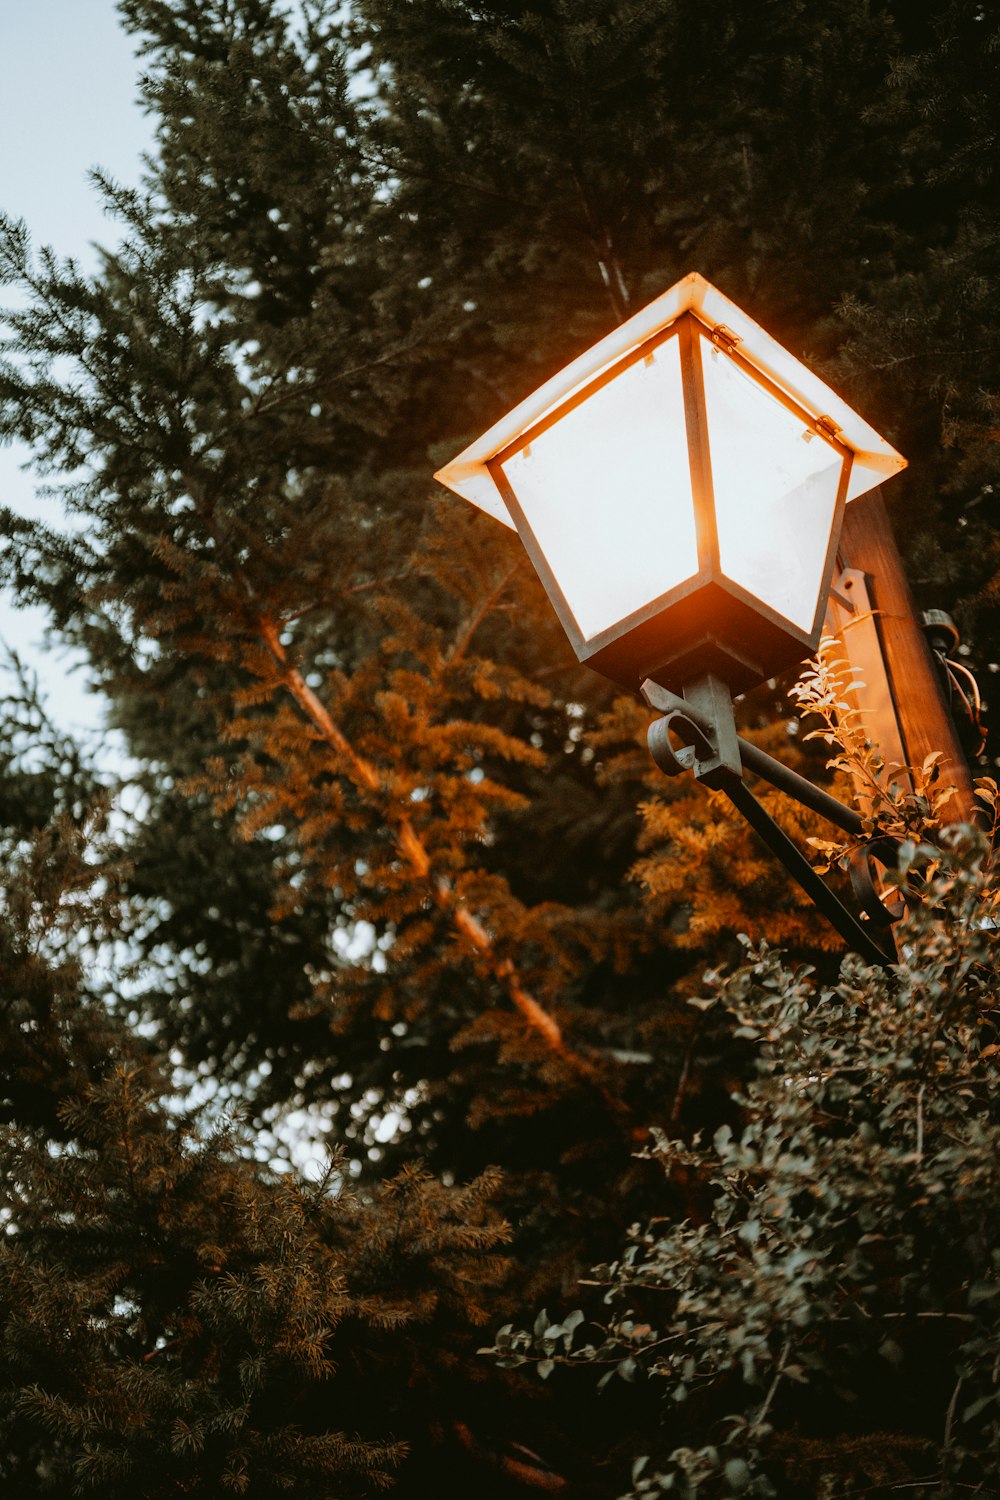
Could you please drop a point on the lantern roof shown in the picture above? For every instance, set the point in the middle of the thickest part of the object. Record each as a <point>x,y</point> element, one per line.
<point>873,458</point>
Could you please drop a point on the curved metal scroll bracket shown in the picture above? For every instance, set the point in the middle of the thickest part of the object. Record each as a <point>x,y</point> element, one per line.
<point>880,851</point>
<point>712,751</point>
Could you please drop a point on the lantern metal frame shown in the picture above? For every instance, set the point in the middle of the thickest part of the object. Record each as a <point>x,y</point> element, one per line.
<point>708,622</point>
<point>694,627</point>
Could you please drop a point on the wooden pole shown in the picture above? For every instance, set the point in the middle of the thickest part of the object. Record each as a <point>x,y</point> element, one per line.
<point>925,725</point>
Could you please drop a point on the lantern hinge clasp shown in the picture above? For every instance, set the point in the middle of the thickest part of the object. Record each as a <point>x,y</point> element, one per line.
<point>827,427</point>
<point>725,339</point>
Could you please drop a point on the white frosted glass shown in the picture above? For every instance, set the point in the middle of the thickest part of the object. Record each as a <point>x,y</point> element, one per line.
<point>775,492</point>
<point>607,492</point>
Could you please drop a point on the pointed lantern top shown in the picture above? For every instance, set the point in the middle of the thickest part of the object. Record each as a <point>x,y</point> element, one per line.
<point>874,460</point>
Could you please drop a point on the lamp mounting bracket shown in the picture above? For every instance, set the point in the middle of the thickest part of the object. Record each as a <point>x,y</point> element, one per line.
<point>702,720</point>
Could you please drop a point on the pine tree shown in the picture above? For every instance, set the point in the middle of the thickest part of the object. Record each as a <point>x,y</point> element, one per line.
<point>386,778</point>
<point>175,1315</point>
<point>919,322</point>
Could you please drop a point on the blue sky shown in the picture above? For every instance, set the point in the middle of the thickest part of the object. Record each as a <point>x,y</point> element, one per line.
<point>68,104</point>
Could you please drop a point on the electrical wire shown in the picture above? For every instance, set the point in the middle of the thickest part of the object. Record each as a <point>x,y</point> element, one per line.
<point>971,700</point>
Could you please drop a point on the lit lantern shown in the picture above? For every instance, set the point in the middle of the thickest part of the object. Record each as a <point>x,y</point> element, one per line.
<point>680,489</point>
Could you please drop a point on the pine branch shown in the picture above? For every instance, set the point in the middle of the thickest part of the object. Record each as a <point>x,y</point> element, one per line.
<point>409,172</point>
<point>413,849</point>
<point>477,616</point>
<point>608,262</point>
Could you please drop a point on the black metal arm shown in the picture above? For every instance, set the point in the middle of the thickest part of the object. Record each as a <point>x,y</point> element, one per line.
<point>715,754</point>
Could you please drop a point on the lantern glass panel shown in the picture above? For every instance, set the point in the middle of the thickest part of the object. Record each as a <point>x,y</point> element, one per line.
<point>606,490</point>
<point>775,483</point>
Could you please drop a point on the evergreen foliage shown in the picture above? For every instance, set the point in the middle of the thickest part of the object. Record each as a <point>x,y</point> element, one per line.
<point>175,1316</point>
<point>393,864</point>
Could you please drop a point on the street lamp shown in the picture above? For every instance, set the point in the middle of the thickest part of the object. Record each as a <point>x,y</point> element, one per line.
<point>680,489</point>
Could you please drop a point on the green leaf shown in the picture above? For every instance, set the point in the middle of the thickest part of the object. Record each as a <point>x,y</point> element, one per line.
<point>737,1475</point>
<point>891,1351</point>
<point>975,1407</point>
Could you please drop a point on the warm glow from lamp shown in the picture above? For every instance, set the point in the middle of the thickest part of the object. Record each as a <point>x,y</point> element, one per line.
<point>775,486</point>
<point>680,490</point>
<point>570,479</point>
